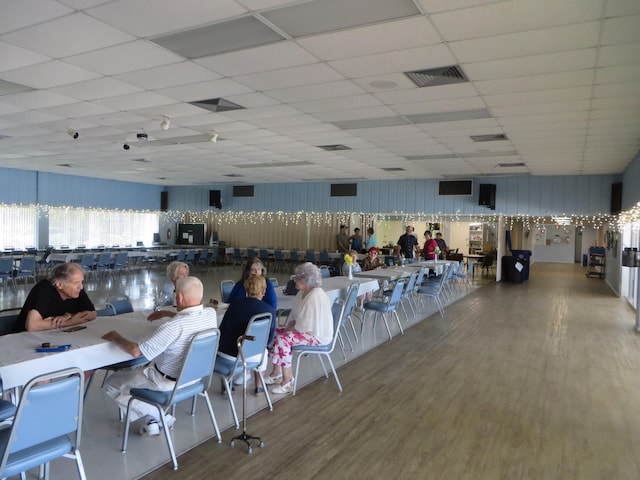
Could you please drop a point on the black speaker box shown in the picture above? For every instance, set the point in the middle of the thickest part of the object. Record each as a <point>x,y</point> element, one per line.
<point>616,198</point>
<point>488,195</point>
<point>164,201</point>
<point>215,199</point>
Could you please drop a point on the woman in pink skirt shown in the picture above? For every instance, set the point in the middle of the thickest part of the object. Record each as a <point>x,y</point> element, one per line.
<point>310,323</point>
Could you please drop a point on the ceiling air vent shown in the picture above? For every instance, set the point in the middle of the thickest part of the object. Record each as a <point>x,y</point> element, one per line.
<point>333,148</point>
<point>511,165</point>
<point>494,137</point>
<point>217,105</point>
<point>437,76</point>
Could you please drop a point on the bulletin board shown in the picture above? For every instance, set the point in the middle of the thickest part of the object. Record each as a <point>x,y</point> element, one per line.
<point>190,234</point>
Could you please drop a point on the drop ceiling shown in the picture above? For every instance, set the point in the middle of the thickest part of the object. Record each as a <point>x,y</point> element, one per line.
<point>542,87</point>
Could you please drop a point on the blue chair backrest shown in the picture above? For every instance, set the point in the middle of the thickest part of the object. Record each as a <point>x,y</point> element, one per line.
<point>258,327</point>
<point>470,267</point>
<point>351,299</point>
<point>6,265</point>
<point>120,305</point>
<point>182,255</point>
<point>397,293</point>
<point>87,260</point>
<point>50,407</point>
<point>310,256</point>
<point>324,256</point>
<point>202,352</point>
<point>337,310</point>
<point>225,289</point>
<point>191,255</point>
<point>420,278</point>
<point>104,259</point>
<point>278,255</point>
<point>293,255</point>
<point>324,270</point>
<point>121,259</point>
<point>251,253</point>
<point>204,253</point>
<point>27,264</point>
<point>411,284</point>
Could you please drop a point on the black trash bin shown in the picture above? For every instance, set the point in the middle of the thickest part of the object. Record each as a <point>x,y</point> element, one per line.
<point>524,257</point>
<point>512,269</point>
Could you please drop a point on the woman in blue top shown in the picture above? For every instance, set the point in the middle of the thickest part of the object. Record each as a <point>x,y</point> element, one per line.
<point>254,267</point>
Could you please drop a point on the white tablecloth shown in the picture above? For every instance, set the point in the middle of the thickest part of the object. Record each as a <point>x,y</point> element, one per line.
<point>336,287</point>
<point>19,362</point>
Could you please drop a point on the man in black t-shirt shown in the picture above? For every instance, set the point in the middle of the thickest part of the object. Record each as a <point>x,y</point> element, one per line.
<point>407,244</point>
<point>57,302</point>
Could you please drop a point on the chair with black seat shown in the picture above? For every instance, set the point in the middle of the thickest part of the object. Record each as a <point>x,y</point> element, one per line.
<point>42,265</point>
<point>6,273</point>
<point>8,318</point>
<point>193,382</point>
<point>263,255</point>
<point>310,256</point>
<point>278,258</point>
<point>325,259</point>
<point>254,352</point>
<point>294,259</point>
<point>381,308</point>
<point>487,263</point>
<point>46,425</point>
<point>27,270</point>
<point>337,310</point>
<point>237,256</point>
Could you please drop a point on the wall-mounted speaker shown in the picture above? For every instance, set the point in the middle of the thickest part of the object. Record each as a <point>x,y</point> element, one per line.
<point>164,201</point>
<point>215,198</point>
<point>487,197</point>
<point>616,198</point>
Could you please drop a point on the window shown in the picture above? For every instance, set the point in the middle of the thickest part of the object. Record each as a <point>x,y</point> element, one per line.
<point>19,225</point>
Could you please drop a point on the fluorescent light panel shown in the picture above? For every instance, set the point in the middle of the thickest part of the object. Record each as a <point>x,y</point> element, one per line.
<point>322,16</point>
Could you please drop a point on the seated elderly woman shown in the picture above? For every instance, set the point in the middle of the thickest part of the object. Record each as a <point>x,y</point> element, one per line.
<point>355,266</point>
<point>175,271</point>
<point>372,262</point>
<point>237,317</point>
<point>254,267</point>
<point>310,323</point>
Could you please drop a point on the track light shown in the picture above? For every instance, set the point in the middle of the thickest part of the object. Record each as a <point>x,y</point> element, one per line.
<point>72,133</point>
<point>126,146</point>
<point>214,137</point>
<point>166,121</point>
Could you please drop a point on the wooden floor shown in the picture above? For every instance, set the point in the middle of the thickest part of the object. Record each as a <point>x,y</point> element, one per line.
<point>532,381</point>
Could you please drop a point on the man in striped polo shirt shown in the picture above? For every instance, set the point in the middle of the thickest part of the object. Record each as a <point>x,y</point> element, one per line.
<point>166,347</point>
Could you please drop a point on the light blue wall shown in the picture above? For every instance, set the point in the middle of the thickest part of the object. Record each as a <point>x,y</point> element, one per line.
<point>631,184</point>
<point>26,187</point>
<point>526,195</point>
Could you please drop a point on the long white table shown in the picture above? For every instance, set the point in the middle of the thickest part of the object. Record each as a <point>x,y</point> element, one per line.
<point>19,362</point>
<point>389,274</point>
<point>336,287</point>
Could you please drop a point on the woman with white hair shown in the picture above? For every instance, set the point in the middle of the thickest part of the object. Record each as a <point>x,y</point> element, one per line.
<point>175,271</point>
<point>310,323</point>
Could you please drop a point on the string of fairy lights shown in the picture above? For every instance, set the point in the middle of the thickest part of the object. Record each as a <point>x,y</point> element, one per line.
<point>322,219</point>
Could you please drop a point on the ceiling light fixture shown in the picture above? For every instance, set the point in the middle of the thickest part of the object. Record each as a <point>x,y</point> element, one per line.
<point>72,133</point>
<point>214,137</point>
<point>166,121</point>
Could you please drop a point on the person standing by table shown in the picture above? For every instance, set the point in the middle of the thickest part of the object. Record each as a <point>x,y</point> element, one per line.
<point>372,241</point>
<point>310,323</point>
<point>235,321</point>
<point>342,241</point>
<point>442,245</point>
<point>356,240</point>
<point>167,347</point>
<point>59,301</point>
<point>407,245</point>
<point>430,246</point>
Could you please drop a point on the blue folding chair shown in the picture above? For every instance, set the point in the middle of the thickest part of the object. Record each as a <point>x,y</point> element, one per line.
<point>337,310</point>
<point>258,328</point>
<point>46,425</point>
<point>226,286</point>
<point>381,308</point>
<point>27,270</point>
<point>194,381</point>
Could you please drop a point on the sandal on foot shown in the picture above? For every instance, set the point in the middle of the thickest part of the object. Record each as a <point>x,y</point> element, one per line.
<point>283,389</point>
<point>273,380</point>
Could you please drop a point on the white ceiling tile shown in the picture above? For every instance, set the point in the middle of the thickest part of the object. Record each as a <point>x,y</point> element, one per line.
<point>172,75</point>
<point>532,65</point>
<point>537,97</point>
<point>80,109</point>
<point>145,18</point>
<point>356,114</point>
<point>621,30</point>
<point>447,105</point>
<point>537,108</point>
<point>384,37</point>
<point>621,7</point>
<point>261,59</point>
<point>15,57</point>
<point>290,77</point>
<point>340,103</point>
<point>514,16</point>
<point>36,99</point>
<point>128,57</point>
<point>621,74</point>
<point>59,38</point>
<point>617,90</point>
<point>531,42</point>
<point>98,88</point>
<point>205,90</point>
<point>316,92</point>
<point>49,74</point>
<point>20,14</point>
<point>530,83</point>
<point>135,101</point>
<point>619,55</point>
